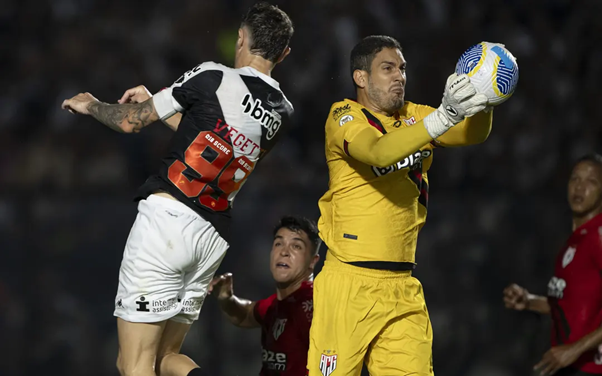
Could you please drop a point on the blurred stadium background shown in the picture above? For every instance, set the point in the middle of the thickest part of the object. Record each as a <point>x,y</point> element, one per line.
<point>497,211</point>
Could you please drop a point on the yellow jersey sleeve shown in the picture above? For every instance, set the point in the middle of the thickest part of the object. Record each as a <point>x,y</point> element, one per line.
<point>345,122</point>
<point>363,136</point>
<point>470,131</point>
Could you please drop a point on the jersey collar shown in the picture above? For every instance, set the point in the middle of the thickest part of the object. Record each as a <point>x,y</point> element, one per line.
<point>250,71</point>
<point>594,222</point>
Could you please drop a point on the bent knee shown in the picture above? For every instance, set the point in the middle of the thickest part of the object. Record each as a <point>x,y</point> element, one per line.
<point>134,367</point>
<point>162,359</point>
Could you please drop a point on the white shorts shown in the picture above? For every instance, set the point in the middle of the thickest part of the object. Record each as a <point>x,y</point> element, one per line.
<point>169,260</point>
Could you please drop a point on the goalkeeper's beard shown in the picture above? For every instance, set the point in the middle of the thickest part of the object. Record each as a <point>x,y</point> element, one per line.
<point>386,102</point>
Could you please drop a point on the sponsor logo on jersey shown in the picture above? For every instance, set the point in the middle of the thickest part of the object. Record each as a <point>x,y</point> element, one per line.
<point>556,287</point>
<point>410,121</point>
<point>568,256</point>
<point>274,361</point>
<point>345,119</point>
<point>270,120</point>
<point>340,111</point>
<point>413,161</point>
<point>278,328</point>
<point>328,363</point>
<point>308,308</point>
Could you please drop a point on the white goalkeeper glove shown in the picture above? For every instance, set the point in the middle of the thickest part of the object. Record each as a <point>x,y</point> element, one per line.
<point>460,100</point>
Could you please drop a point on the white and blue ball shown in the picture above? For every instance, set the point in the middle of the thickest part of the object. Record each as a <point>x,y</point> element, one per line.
<point>492,70</point>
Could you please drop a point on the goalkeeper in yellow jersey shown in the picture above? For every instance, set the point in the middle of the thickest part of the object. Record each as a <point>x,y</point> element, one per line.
<point>367,306</point>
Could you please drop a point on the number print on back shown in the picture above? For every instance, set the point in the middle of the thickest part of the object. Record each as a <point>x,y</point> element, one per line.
<point>219,173</point>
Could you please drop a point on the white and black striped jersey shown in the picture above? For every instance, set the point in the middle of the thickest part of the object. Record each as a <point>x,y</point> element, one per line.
<point>231,119</point>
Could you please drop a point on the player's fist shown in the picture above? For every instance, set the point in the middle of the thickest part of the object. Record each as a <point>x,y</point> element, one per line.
<point>461,99</point>
<point>222,286</point>
<point>136,94</point>
<point>516,297</point>
<point>79,104</point>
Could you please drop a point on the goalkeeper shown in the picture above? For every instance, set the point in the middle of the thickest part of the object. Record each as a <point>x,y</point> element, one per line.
<point>368,307</point>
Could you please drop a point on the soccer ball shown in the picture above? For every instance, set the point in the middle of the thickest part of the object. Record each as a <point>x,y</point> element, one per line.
<point>492,70</point>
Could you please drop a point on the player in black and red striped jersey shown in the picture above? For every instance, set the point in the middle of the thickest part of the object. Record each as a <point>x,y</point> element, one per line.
<point>284,317</point>
<point>574,298</point>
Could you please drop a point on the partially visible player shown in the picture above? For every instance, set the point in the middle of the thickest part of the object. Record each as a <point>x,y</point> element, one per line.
<point>231,117</point>
<point>368,307</point>
<point>574,296</point>
<point>284,317</point>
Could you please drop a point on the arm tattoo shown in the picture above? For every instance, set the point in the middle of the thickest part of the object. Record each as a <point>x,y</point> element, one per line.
<point>120,117</point>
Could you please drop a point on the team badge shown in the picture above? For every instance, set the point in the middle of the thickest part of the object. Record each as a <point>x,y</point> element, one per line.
<point>328,363</point>
<point>568,256</point>
<point>345,119</point>
<point>278,328</point>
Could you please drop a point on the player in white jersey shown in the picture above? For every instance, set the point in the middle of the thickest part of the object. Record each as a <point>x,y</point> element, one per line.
<point>230,117</point>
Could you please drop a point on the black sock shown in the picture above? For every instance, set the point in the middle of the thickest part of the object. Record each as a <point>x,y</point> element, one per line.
<point>197,372</point>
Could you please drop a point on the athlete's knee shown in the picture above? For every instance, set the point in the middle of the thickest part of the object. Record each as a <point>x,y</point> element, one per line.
<point>162,360</point>
<point>133,367</point>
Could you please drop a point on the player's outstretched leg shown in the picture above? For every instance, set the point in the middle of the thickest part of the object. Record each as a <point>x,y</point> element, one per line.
<point>138,345</point>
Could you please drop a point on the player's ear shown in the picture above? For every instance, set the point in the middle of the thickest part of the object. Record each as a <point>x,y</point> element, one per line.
<point>287,50</point>
<point>360,77</point>
<point>241,38</point>
<point>314,261</point>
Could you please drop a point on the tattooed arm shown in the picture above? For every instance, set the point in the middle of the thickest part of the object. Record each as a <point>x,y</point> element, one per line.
<point>123,118</point>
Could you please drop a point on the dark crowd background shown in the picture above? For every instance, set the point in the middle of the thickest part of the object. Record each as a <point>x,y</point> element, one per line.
<point>497,211</point>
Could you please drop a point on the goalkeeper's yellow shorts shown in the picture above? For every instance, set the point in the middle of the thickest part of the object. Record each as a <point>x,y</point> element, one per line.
<point>375,316</point>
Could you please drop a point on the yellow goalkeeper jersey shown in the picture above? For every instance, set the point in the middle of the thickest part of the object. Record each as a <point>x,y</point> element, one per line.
<point>370,213</point>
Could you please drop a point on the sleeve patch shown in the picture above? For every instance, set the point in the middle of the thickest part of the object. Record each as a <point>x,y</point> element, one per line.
<point>345,119</point>
<point>340,111</point>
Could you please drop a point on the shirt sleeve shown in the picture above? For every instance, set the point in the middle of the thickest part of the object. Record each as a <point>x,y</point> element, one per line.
<point>261,308</point>
<point>344,123</point>
<point>187,90</point>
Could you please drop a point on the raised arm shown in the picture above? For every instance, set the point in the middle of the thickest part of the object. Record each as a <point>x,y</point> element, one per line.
<point>472,130</point>
<point>371,147</point>
<point>238,311</point>
<point>140,94</point>
<point>123,118</point>
<point>359,138</point>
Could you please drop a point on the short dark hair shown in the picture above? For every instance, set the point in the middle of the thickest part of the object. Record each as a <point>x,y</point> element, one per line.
<point>594,158</point>
<point>301,224</point>
<point>364,52</point>
<point>271,30</point>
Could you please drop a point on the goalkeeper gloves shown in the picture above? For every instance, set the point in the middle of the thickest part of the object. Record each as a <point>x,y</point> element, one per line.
<point>460,100</point>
